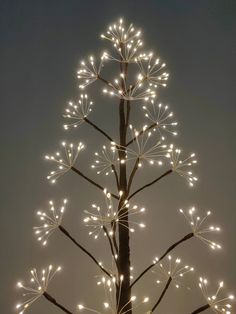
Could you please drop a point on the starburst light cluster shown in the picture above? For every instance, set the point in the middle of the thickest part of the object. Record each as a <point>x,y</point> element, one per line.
<point>38,285</point>
<point>76,113</point>
<point>71,153</point>
<point>198,226</point>
<point>126,41</point>
<point>172,268</point>
<point>105,160</point>
<point>181,166</point>
<point>161,116</point>
<point>151,70</point>
<point>50,221</point>
<point>89,71</point>
<point>220,305</point>
<point>98,217</point>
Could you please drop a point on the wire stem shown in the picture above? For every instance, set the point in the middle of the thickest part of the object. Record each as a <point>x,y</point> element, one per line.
<point>98,129</point>
<point>185,238</point>
<point>201,309</point>
<point>162,295</point>
<point>53,301</point>
<point>91,181</point>
<point>63,230</point>
<point>151,183</point>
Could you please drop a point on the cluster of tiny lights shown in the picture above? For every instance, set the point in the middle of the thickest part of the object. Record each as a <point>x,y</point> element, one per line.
<point>181,166</point>
<point>71,152</point>
<point>89,72</point>
<point>76,113</point>
<point>172,268</point>
<point>105,160</point>
<point>144,150</point>
<point>138,91</point>
<point>99,218</point>
<point>217,304</point>
<point>51,221</point>
<point>109,286</point>
<point>151,70</point>
<point>125,40</point>
<point>198,228</point>
<point>162,117</point>
<point>39,283</point>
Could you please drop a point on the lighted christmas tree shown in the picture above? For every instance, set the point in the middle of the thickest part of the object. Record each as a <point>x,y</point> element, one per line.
<point>140,75</point>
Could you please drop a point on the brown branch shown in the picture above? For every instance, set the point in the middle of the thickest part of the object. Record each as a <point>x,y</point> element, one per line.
<point>201,309</point>
<point>104,81</point>
<point>151,183</point>
<point>133,174</point>
<point>162,295</point>
<point>53,301</point>
<point>140,133</point>
<point>98,129</point>
<point>111,245</point>
<point>116,176</point>
<point>187,237</point>
<point>91,181</point>
<point>63,230</point>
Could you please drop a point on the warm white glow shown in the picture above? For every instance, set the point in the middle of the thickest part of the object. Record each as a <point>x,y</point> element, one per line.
<point>105,160</point>
<point>39,283</point>
<point>50,221</point>
<point>108,217</point>
<point>198,226</point>
<point>172,267</point>
<point>181,166</point>
<point>75,113</point>
<point>162,117</point>
<point>71,153</point>
<point>218,304</point>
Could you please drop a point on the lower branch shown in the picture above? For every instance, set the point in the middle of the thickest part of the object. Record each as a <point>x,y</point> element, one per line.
<point>91,181</point>
<point>187,237</point>
<point>98,129</point>
<point>63,230</point>
<point>151,183</point>
<point>53,301</point>
<point>162,295</point>
<point>201,309</point>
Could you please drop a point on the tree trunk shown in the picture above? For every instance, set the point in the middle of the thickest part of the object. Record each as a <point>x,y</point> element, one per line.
<point>124,295</point>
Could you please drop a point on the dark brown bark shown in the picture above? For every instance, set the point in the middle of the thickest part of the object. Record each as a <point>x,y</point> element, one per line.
<point>162,295</point>
<point>53,301</point>
<point>124,304</point>
<point>201,309</point>
<point>66,233</point>
<point>185,238</point>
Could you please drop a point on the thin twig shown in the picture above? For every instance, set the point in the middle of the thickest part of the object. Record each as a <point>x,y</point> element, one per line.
<point>91,181</point>
<point>162,295</point>
<point>201,309</point>
<point>140,133</point>
<point>151,183</point>
<point>84,250</point>
<point>53,301</point>
<point>187,237</point>
<point>98,129</point>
